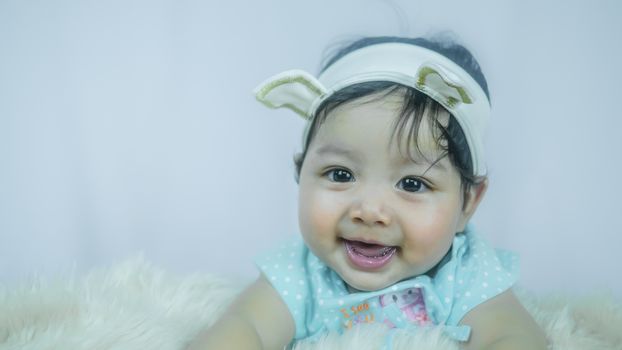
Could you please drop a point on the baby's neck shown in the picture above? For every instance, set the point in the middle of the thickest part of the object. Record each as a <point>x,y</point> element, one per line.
<point>431,273</point>
<point>352,289</point>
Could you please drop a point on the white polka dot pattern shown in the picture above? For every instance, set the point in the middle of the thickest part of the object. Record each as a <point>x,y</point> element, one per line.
<point>471,273</point>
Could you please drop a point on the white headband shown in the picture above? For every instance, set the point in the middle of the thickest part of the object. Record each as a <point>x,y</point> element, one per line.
<point>422,69</point>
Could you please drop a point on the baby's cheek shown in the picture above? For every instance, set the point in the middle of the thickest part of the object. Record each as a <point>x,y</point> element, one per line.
<point>318,215</point>
<point>428,236</point>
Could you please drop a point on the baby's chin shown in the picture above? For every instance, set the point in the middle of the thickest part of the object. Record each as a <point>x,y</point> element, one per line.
<point>370,281</point>
<point>366,281</point>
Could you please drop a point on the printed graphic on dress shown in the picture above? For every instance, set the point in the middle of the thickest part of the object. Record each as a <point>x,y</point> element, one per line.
<point>410,302</point>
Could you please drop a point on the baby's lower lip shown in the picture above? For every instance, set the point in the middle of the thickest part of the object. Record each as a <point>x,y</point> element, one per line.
<point>368,256</point>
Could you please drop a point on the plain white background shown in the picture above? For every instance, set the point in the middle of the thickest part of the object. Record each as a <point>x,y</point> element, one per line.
<point>130,126</point>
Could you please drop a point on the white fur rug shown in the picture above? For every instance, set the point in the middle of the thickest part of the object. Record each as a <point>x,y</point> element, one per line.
<point>135,305</point>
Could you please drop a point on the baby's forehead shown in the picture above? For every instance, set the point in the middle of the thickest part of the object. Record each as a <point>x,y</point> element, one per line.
<point>400,138</point>
<point>397,151</point>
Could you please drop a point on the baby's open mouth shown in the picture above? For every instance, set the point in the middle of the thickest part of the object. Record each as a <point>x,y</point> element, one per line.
<point>368,255</point>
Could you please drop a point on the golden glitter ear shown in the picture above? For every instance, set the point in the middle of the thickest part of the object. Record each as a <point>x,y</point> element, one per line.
<point>443,85</point>
<point>293,89</point>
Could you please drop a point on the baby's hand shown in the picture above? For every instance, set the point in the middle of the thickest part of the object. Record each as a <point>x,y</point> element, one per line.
<point>257,319</point>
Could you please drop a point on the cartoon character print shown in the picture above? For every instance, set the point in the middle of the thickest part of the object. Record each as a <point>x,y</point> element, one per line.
<point>412,304</point>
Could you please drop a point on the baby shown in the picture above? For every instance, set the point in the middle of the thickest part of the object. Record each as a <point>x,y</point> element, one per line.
<point>391,171</point>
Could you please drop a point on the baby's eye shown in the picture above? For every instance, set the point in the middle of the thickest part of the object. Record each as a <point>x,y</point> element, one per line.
<point>339,175</point>
<point>411,184</point>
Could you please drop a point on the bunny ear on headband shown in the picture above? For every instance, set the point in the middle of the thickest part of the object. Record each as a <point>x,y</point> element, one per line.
<point>294,89</point>
<point>422,69</point>
<point>442,85</point>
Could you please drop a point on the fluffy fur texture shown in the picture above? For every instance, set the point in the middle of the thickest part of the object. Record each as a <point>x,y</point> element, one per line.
<point>134,305</point>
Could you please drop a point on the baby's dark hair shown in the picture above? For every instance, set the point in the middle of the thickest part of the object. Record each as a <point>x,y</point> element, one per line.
<point>449,138</point>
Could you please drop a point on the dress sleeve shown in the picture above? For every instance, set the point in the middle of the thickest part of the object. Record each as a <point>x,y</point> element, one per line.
<point>285,268</point>
<point>483,273</point>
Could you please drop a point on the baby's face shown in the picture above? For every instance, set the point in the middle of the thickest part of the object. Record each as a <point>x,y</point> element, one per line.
<point>367,210</point>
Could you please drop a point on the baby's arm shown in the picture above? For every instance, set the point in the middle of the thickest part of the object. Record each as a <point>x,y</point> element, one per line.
<point>257,319</point>
<point>502,323</point>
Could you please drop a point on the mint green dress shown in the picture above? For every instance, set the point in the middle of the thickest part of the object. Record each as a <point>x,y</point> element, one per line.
<point>318,299</point>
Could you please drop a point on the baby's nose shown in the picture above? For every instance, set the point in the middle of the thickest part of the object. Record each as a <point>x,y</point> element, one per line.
<point>371,210</point>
